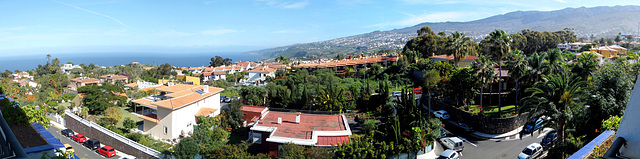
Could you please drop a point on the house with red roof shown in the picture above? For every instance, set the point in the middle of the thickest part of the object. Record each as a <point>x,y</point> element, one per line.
<point>271,129</point>
<point>464,62</point>
<point>172,113</point>
<point>258,75</point>
<point>214,76</point>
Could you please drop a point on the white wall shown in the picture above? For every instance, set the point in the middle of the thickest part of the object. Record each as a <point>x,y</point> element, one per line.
<point>629,128</point>
<point>185,115</point>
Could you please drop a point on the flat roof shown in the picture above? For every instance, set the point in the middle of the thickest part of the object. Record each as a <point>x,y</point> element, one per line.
<point>308,123</point>
<point>180,95</point>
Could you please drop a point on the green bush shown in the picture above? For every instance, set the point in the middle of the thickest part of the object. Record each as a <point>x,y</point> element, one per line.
<point>128,123</point>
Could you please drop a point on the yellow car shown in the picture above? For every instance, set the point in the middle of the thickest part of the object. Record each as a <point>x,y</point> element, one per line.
<point>69,149</point>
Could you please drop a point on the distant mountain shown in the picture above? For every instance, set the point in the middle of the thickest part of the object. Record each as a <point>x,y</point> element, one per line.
<point>597,21</point>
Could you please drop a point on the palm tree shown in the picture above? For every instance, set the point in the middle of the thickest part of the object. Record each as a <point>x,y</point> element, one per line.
<point>557,95</point>
<point>48,58</point>
<point>484,70</point>
<point>459,46</point>
<point>537,66</point>
<point>555,59</point>
<point>500,47</point>
<point>517,66</point>
<point>282,59</point>
<point>585,65</point>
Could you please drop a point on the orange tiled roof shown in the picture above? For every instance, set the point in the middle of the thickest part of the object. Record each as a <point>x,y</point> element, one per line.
<point>85,80</point>
<point>131,85</point>
<point>207,73</point>
<point>178,87</point>
<point>151,88</point>
<point>205,111</point>
<point>262,70</point>
<point>219,73</point>
<point>112,76</point>
<point>349,62</point>
<point>186,99</point>
<point>144,102</point>
<point>150,117</point>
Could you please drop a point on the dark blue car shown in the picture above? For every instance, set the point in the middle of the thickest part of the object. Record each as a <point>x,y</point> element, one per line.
<point>549,139</point>
<point>534,125</point>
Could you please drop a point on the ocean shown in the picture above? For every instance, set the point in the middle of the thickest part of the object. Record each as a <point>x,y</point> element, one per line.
<point>30,62</point>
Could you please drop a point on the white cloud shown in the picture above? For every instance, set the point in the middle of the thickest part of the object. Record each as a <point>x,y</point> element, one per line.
<point>218,31</point>
<point>286,4</point>
<point>173,33</point>
<point>286,31</point>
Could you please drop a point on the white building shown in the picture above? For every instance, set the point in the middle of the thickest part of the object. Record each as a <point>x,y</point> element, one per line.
<point>214,76</point>
<point>22,74</point>
<point>66,68</point>
<point>172,113</point>
<point>258,75</point>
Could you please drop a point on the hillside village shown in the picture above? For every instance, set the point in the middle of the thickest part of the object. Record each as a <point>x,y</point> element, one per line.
<point>418,102</point>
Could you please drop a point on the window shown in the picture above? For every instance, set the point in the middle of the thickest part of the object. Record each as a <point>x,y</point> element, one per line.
<point>165,130</point>
<point>256,138</point>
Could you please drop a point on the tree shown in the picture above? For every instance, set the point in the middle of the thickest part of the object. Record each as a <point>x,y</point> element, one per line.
<point>6,74</point>
<point>557,95</point>
<point>291,151</point>
<point>585,65</point>
<point>518,68</point>
<point>427,42</point>
<point>253,95</point>
<point>219,61</point>
<point>283,59</point>
<point>128,123</point>
<point>431,80</point>
<point>235,114</point>
<point>459,46</point>
<point>500,47</point>
<point>186,148</point>
<point>485,73</point>
<point>113,115</point>
<point>463,81</point>
<point>618,38</point>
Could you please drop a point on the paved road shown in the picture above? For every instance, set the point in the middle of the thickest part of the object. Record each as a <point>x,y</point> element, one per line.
<point>80,150</point>
<point>492,148</point>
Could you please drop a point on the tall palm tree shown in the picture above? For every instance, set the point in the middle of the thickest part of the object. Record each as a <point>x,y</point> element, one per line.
<point>282,59</point>
<point>459,46</point>
<point>557,95</point>
<point>518,68</point>
<point>500,47</point>
<point>484,70</point>
<point>555,59</point>
<point>537,66</point>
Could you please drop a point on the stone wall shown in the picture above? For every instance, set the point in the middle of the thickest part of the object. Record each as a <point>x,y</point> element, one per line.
<point>104,139</point>
<point>482,123</point>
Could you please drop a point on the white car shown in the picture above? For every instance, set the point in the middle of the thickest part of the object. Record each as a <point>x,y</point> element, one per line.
<point>449,154</point>
<point>453,143</point>
<point>532,151</point>
<point>441,114</point>
<point>396,94</point>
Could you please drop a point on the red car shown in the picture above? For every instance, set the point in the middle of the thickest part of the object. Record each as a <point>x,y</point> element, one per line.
<point>79,138</point>
<point>107,151</point>
<point>417,90</point>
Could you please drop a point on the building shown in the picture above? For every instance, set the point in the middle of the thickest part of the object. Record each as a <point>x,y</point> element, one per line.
<point>247,65</point>
<point>66,68</point>
<point>188,79</point>
<point>340,66</point>
<point>606,51</point>
<point>252,114</point>
<point>111,78</point>
<point>464,62</point>
<point>140,85</point>
<point>22,74</point>
<point>573,46</point>
<point>273,129</point>
<point>214,76</point>
<point>81,82</point>
<point>172,112</point>
<point>25,82</point>
<point>259,75</point>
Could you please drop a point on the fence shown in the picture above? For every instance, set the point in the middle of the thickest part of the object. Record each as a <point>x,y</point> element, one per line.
<point>305,111</point>
<point>115,138</point>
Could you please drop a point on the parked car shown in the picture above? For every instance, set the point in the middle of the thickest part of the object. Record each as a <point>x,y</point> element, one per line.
<point>79,138</point>
<point>443,133</point>
<point>466,127</point>
<point>532,151</point>
<point>107,151</point>
<point>449,154</point>
<point>227,100</point>
<point>534,125</point>
<point>549,139</point>
<point>92,144</point>
<point>453,143</point>
<point>396,94</point>
<point>67,149</point>
<point>222,98</point>
<point>417,90</point>
<point>67,132</point>
<point>442,114</point>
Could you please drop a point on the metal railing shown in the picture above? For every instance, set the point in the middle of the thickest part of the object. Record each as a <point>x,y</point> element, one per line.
<point>116,136</point>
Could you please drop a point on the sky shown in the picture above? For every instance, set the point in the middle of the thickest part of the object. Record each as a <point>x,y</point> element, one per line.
<point>64,26</point>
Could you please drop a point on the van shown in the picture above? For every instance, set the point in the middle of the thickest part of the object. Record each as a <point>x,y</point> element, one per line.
<point>92,144</point>
<point>453,143</point>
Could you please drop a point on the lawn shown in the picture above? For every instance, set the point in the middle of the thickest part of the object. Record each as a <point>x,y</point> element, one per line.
<point>492,111</point>
<point>230,93</point>
<point>126,113</point>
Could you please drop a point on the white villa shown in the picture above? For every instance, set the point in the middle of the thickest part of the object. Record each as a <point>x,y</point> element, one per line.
<point>172,113</point>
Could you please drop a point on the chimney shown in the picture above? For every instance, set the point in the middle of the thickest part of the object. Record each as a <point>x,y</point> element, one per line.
<point>279,120</point>
<point>298,118</point>
<point>206,89</point>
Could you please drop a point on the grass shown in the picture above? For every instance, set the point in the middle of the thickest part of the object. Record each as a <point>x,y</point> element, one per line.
<point>230,93</point>
<point>492,111</point>
<point>126,113</point>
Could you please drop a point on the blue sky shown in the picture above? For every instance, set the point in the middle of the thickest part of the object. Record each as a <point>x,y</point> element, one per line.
<point>30,27</point>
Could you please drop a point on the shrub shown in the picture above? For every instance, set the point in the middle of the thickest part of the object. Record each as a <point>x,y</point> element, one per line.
<point>128,123</point>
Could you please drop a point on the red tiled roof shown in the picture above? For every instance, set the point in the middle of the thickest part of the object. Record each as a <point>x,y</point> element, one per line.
<point>251,112</point>
<point>207,73</point>
<point>450,57</point>
<point>335,140</point>
<point>205,111</point>
<point>303,130</point>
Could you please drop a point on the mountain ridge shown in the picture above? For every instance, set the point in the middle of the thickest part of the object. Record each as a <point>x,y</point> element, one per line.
<point>609,21</point>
